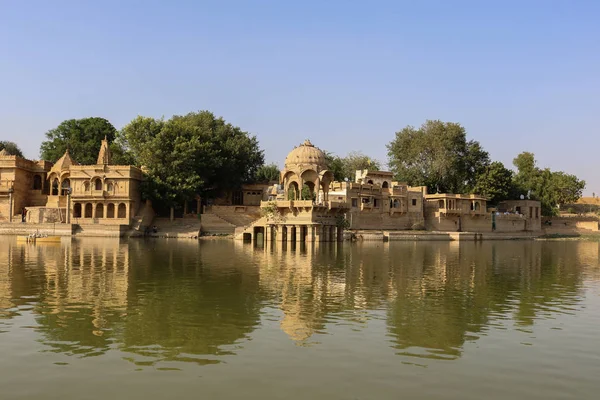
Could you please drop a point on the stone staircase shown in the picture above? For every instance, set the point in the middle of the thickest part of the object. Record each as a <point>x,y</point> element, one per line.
<point>212,224</point>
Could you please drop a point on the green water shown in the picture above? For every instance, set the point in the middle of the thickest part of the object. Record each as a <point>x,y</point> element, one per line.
<point>104,319</point>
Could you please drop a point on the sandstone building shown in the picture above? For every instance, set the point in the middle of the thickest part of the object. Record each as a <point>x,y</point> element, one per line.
<point>67,192</point>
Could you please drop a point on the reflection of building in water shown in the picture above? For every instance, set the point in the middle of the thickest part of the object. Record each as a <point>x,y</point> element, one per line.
<point>5,275</point>
<point>94,273</point>
<point>308,286</point>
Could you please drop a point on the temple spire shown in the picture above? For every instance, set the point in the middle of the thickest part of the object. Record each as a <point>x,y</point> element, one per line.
<point>104,156</point>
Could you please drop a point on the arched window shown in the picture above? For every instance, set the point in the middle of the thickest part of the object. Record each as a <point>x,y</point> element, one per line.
<point>55,187</point>
<point>122,211</point>
<point>396,203</point>
<point>477,206</point>
<point>99,210</point>
<point>77,210</point>
<point>66,184</point>
<point>88,210</point>
<point>37,182</point>
<point>98,184</point>
<point>385,185</point>
<point>370,182</point>
<point>110,211</point>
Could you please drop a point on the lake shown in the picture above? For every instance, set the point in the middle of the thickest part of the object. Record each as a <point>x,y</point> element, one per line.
<point>218,319</point>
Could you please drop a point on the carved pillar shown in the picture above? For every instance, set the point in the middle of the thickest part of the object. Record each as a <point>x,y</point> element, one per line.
<point>10,205</point>
<point>289,236</point>
<point>310,233</point>
<point>298,233</point>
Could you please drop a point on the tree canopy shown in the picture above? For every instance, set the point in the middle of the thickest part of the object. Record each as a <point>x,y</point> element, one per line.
<point>437,155</point>
<point>495,182</point>
<point>189,155</point>
<point>267,173</point>
<point>552,189</point>
<point>11,148</point>
<point>346,167</point>
<point>83,137</point>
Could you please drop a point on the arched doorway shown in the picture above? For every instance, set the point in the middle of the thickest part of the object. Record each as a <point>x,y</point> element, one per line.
<point>99,210</point>
<point>293,191</point>
<point>308,191</point>
<point>385,185</point>
<point>122,211</point>
<point>77,210</point>
<point>110,210</point>
<point>88,210</point>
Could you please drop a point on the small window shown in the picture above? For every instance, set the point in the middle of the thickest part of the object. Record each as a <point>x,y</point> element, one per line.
<point>375,203</point>
<point>370,182</point>
<point>354,202</point>
<point>98,184</point>
<point>414,202</point>
<point>537,212</point>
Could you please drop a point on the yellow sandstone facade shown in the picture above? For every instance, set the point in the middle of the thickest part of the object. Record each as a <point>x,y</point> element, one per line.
<point>66,192</point>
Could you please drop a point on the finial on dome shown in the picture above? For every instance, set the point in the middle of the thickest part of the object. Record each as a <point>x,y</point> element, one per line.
<point>307,143</point>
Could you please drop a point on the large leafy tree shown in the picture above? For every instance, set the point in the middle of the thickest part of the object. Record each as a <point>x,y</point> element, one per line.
<point>83,137</point>
<point>11,148</point>
<point>346,167</point>
<point>437,155</point>
<point>189,155</point>
<point>495,182</point>
<point>551,188</point>
<point>267,173</point>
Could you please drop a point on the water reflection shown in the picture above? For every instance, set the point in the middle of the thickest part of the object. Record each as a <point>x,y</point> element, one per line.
<point>158,301</point>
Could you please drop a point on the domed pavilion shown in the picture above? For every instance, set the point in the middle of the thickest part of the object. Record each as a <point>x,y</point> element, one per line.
<point>306,167</point>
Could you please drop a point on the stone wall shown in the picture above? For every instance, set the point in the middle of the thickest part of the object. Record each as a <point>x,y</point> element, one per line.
<point>368,220</point>
<point>569,226</point>
<point>26,229</point>
<point>101,230</point>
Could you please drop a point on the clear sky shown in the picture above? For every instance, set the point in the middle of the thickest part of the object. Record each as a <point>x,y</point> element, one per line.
<point>519,75</point>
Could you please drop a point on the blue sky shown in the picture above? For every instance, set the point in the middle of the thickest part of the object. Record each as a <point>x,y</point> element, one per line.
<point>519,75</point>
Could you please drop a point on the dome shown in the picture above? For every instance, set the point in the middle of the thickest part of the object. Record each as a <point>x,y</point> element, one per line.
<point>306,153</point>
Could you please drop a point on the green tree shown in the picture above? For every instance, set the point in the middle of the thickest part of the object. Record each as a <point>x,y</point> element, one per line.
<point>552,189</point>
<point>495,182</point>
<point>437,155</point>
<point>11,148</point>
<point>336,165</point>
<point>197,153</point>
<point>346,167</point>
<point>82,136</point>
<point>355,161</point>
<point>267,173</point>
